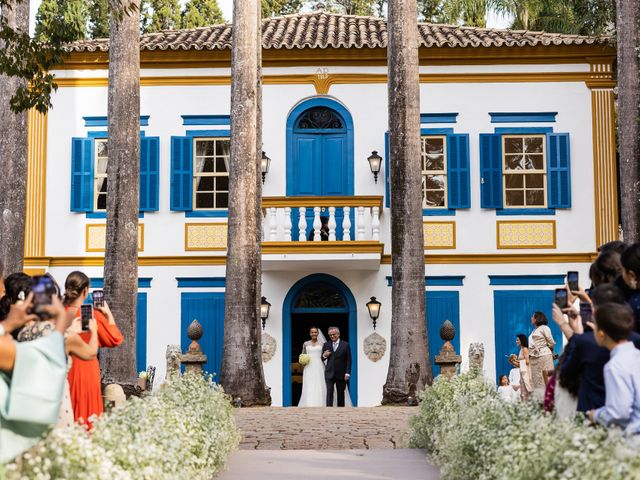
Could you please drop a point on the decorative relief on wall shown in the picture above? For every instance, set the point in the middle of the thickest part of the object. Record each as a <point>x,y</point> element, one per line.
<point>96,238</point>
<point>268,347</point>
<point>476,355</point>
<point>439,235</point>
<point>526,234</point>
<point>374,346</point>
<point>205,236</point>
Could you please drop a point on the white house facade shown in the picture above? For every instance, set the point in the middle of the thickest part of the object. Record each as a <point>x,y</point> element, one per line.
<point>519,183</point>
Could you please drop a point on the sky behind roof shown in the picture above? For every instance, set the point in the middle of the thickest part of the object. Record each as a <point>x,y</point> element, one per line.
<point>494,21</point>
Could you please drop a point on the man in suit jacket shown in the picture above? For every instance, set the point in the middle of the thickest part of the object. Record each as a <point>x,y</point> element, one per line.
<point>337,354</point>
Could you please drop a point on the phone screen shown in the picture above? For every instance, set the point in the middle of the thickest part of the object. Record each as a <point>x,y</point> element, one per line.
<point>572,281</point>
<point>98,298</point>
<point>560,297</point>
<point>86,314</point>
<point>43,289</point>
<point>585,312</point>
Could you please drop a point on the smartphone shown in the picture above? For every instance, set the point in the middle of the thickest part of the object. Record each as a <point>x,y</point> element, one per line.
<point>586,312</point>
<point>98,298</point>
<point>560,297</point>
<point>86,314</point>
<point>572,281</point>
<point>43,290</point>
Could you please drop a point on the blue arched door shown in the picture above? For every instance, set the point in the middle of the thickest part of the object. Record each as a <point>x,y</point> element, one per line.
<point>319,149</point>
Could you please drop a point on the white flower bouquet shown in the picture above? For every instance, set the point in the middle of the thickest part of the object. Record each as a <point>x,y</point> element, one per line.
<point>304,359</point>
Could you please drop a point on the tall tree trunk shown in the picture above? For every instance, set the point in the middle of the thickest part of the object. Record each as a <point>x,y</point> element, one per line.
<point>123,173</point>
<point>13,156</point>
<point>241,373</point>
<point>628,25</point>
<point>409,368</point>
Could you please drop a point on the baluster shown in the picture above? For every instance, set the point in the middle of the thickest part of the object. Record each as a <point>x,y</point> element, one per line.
<point>332,224</point>
<point>375,224</point>
<point>273,224</point>
<point>360,224</point>
<point>287,224</point>
<point>317,224</point>
<point>302,224</point>
<point>346,225</point>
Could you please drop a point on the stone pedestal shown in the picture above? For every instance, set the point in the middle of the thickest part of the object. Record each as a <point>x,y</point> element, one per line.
<point>447,359</point>
<point>193,359</point>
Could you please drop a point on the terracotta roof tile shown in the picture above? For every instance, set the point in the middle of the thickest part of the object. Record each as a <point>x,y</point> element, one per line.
<point>322,29</point>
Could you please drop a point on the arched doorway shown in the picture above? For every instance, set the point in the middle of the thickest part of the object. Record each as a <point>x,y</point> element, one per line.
<point>317,300</point>
<point>319,149</point>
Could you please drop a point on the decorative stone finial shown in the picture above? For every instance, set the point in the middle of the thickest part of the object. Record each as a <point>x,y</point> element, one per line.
<point>447,358</point>
<point>194,331</point>
<point>447,331</point>
<point>194,359</point>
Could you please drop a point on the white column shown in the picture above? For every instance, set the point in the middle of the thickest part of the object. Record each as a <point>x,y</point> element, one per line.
<point>302,224</point>
<point>263,224</point>
<point>375,223</point>
<point>287,224</point>
<point>273,224</point>
<point>332,224</point>
<point>317,224</point>
<point>346,225</point>
<point>360,224</point>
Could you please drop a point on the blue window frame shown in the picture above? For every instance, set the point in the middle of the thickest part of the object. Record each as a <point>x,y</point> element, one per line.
<point>445,171</point>
<point>89,156</point>
<point>538,182</point>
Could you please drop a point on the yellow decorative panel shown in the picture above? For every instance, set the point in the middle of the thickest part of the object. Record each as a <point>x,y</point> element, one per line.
<point>526,234</point>
<point>97,237</point>
<point>439,235</point>
<point>36,188</point>
<point>205,236</point>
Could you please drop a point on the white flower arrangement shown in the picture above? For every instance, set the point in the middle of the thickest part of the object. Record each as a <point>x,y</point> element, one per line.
<point>143,375</point>
<point>304,359</point>
<point>183,430</point>
<point>471,433</point>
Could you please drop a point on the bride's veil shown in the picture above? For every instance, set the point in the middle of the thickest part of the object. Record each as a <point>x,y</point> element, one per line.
<point>321,338</point>
<point>347,397</point>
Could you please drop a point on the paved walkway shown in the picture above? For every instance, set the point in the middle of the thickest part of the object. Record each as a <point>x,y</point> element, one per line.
<point>326,443</point>
<point>277,428</point>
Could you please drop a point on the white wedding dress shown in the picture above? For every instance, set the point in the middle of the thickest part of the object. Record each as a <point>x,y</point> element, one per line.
<point>314,386</point>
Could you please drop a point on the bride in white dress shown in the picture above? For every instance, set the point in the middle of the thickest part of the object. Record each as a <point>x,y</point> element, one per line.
<point>314,386</point>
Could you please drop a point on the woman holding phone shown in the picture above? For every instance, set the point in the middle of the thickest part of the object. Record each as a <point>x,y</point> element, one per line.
<point>84,375</point>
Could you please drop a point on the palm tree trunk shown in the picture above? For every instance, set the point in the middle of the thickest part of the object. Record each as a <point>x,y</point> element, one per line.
<point>628,25</point>
<point>123,173</point>
<point>409,368</point>
<point>13,156</point>
<point>241,374</point>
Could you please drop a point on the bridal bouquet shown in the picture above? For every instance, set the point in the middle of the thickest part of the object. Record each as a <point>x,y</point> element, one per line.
<point>304,359</point>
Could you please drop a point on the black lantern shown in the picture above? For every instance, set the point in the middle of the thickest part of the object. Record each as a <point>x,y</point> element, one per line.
<point>375,162</point>
<point>264,165</point>
<point>374,310</point>
<point>264,311</point>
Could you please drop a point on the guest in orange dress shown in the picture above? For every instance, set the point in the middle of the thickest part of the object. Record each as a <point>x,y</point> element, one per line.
<point>84,375</point>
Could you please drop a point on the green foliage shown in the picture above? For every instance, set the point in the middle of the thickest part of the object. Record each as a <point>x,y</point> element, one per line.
<point>352,7</point>
<point>53,13</point>
<point>430,10</point>
<point>275,8</point>
<point>184,429</point>
<point>99,18</point>
<point>166,15</point>
<point>472,13</point>
<point>201,13</point>
<point>583,17</point>
<point>471,433</point>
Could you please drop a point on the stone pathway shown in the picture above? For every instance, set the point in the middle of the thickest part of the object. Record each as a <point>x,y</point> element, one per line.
<point>277,428</point>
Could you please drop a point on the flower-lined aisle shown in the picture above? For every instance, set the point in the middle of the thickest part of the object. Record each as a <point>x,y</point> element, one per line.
<point>469,432</point>
<point>184,429</point>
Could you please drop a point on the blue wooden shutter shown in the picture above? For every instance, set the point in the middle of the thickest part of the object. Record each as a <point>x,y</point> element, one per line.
<point>208,309</point>
<point>441,306</point>
<point>141,332</point>
<point>149,173</point>
<point>82,158</point>
<point>490,170</point>
<point>181,173</point>
<point>558,170</point>
<point>459,191</point>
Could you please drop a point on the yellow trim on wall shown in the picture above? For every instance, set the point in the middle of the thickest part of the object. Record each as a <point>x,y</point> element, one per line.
<point>604,166</point>
<point>353,201</point>
<point>526,243</point>
<point>92,249</point>
<point>34,271</point>
<point>36,184</point>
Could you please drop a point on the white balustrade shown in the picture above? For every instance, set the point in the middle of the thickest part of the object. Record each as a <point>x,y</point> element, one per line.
<point>277,222</point>
<point>302,224</point>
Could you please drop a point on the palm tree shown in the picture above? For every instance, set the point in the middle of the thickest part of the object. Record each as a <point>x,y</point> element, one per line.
<point>241,373</point>
<point>123,173</point>
<point>409,352</point>
<point>628,23</point>
<point>13,153</point>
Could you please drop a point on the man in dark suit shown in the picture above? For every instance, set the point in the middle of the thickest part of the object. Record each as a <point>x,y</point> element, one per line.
<point>337,355</point>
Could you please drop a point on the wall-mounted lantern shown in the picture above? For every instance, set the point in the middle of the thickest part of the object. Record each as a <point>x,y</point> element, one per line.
<point>375,162</point>
<point>264,311</point>
<point>264,166</point>
<point>374,310</point>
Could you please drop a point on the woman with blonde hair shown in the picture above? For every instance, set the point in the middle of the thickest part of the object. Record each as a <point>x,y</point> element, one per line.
<point>84,375</point>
